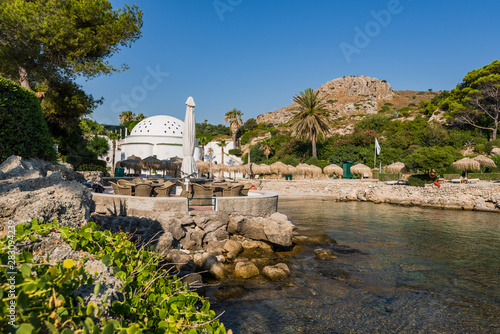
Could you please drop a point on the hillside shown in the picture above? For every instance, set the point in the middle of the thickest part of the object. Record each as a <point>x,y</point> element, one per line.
<point>351,98</point>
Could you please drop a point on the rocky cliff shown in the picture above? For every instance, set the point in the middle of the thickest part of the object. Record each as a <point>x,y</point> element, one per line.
<point>353,97</point>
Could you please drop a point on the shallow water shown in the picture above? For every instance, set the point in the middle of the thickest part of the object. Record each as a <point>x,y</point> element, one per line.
<point>420,271</point>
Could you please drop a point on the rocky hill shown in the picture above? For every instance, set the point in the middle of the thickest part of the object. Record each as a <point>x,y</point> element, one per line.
<point>354,97</point>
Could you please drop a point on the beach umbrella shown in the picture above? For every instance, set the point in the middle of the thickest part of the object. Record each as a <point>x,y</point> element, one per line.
<point>130,164</point>
<point>134,157</point>
<point>484,161</point>
<point>150,163</point>
<point>467,164</point>
<point>316,171</point>
<point>290,169</point>
<point>361,169</point>
<point>203,166</point>
<point>261,169</point>
<point>278,167</point>
<point>303,169</point>
<point>188,168</point>
<point>397,167</point>
<point>333,169</point>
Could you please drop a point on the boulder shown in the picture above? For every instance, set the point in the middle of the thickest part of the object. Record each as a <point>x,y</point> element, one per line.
<point>165,243</point>
<point>180,260</point>
<point>214,247</point>
<point>256,246</point>
<point>324,254</point>
<point>277,273</point>
<point>193,239</point>
<point>212,265</point>
<point>275,228</point>
<point>246,269</point>
<point>233,248</point>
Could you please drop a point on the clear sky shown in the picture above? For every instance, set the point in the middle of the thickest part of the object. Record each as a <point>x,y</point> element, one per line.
<point>254,55</point>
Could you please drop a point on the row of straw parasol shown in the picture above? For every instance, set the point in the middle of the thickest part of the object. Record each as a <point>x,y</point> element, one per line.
<point>468,164</point>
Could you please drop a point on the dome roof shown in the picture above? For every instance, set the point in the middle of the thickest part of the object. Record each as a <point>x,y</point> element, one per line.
<point>159,126</point>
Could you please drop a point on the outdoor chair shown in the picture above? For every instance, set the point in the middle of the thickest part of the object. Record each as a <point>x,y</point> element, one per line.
<point>122,181</point>
<point>200,193</point>
<point>183,190</point>
<point>165,190</point>
<point>143,190</point>
<point>160,181</point>
<point>245,189</point>
<point>137,180</point>
<point>121,190</point>
<point>115,187</point>
<point>234,191</point>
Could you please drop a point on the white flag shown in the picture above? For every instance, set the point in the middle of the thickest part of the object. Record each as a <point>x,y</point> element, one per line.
<point>377,147</point>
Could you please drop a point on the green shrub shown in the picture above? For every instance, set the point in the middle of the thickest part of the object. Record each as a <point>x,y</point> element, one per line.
<point>420,180</point>
<point>77,160</point>
<point>153,301</point>
<point>451,176</point>
<point>484,176</point>
<point>92,168</point>
<point>235,151</point>
<point>23,129</point>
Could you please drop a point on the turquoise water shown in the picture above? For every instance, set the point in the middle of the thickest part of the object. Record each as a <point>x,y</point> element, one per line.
<point>420,271</point>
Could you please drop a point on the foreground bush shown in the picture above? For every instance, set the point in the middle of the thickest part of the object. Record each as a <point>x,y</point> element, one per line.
<point>23,130</point>
<point>153,301</point>
<point>420,180</point>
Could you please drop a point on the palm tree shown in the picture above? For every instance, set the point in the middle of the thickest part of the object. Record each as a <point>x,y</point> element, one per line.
<point>139,117</point>
<point>234,119</point>
<point>113,136</point>
<point>126,116</point>
<point>203,140</point>
<point>311,117</point>
<point>222,144</point>
<point>265,145</point>
<point>211,154</point>
<point>91,128</point>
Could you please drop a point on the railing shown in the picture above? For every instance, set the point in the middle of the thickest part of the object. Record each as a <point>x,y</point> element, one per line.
<point>213,204</point>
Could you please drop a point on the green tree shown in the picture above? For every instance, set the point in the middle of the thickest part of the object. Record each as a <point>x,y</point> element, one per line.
<point>99,145</point>
<point>233,117</point>
<point>265,145</point>
<point>203,140</point>
<point>476,101</point>
<point>310,120</point>
<point>139,117</point>
<point>222,144</point>
<point>431,157</point>
<point>126,116</point>
<point>52,39</point>
<point>91,128</point>
<point>113,136</point>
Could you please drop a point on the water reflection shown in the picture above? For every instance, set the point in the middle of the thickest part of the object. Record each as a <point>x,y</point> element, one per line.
<point>425,270</point>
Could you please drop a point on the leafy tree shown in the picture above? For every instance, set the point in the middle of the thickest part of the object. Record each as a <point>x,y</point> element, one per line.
<point>434,135</point>
<point>373,122</point>
<point>233,117</point>
<point>476,101</point>
<point>310,120</point>
<point>49,39</point>
<point>139,117</point>
<point>99,145</point>
<point>265,145</point>
<point>113,136</point>
<point>205,128</point>
<point>91,128</point>
<point>222,144</point>
<point>431,157</point>
<point>130,125</point>
<point>126,116</point>
<point>23,129</point>
<point>250,124</point>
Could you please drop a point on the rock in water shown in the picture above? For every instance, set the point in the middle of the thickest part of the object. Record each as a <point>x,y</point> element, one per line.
<point>246,269</point>
<point>324,254</point>
<point>277,273</point>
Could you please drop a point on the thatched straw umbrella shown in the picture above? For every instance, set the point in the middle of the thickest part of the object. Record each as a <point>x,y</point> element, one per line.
<point>134,157</point>
<point>291,169</point>
<point>203,166</point>
<point>467,164</point>
<point>333,169</point>
<point>316,171</point>
<point>485,162</point>
<point>304,169</point>
<point>130,164</point>
<point>150,163</point>
<point>361,169</point>
<point>278,168</point>
<point>398,167</point>
<point>261,169</point>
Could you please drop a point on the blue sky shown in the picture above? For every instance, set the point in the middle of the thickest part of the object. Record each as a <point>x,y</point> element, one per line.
<point>254,55</point>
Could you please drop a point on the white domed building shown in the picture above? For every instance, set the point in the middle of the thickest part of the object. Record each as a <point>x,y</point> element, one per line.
<point>159,136</point>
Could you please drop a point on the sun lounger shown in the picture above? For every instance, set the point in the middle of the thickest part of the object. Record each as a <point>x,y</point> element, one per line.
<point>473,180</point>
<point>456,181</point>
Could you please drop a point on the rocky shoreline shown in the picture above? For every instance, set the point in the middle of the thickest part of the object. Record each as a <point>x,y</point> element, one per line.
<point>478,197</point>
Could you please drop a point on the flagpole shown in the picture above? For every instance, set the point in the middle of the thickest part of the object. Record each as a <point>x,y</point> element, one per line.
<point>375,155</point>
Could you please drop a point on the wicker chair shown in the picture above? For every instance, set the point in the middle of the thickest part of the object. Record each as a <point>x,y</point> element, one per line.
<point>165,190</point>
<point>137,180</point>
<point>143,190</point>
<point>122,181</point>
<point>245,189</point>
<point>183,188</point>
<point>161,181</point>
<point>121,190</point>
<point>200,193</point>
<point>234,191</point>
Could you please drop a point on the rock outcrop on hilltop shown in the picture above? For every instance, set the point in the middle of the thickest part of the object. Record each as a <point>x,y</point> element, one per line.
<point>345,96</point>
<point>33,188</point>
